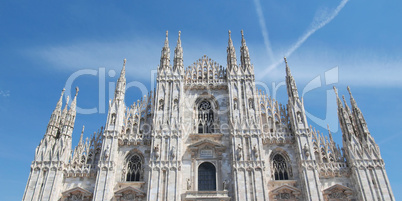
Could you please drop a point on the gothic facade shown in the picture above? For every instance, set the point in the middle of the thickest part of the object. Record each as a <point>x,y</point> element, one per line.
<point>207,133</point>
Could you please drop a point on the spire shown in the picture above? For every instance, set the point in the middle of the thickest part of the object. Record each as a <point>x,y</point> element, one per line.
<point>243,41</point>
<point>231,54</point>
<point>352,100</point>
<point>82,135</point>
<point>338,100</point>
<point>358,115</point>
<point>165,54</point>
<point>230,42</point>
<point>121,83</point>
<point>60,102</point>
<point>290,82</point>
<point>330,136</point>
<point>123,70</point>
<point>54,121</point>
<point>64,112</point>
<point>245,56</point>
<point>346,105</point>
<point>178,55</point>
<point>287,67</point>
<point>74,103</point>
<point>70,117</point>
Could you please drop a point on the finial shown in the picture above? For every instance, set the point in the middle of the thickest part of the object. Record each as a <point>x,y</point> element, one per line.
<point>229,33</point>
<point>343,97</point>
<point>336,91</point>
<point>350,93</point>
<point>124,62</point>
<point>286,61</point>
<point>62,91</point>
<point>179,33</point>
<point>166,33</point>
<point>242,34</point>
<point>76,90</point>
<point>82,135</point>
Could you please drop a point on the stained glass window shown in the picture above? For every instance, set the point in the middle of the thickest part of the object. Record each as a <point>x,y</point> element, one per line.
<point>205,117</point>
<point>280,168</point>
<point>134,168</point>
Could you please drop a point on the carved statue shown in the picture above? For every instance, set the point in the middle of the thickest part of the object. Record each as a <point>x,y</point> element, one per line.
<point>188,184</point>
<point>156,151</point>
<point>239,150</point>
<point>306,151</point>
<point>299,118</point>
<point>113,119</point>
<point>250,103</point>
<point>106,153</point>
<point>255,151</point>
<point>173,152</point>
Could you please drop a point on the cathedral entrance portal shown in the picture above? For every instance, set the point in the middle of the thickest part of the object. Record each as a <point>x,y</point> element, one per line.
<point>206,177</point>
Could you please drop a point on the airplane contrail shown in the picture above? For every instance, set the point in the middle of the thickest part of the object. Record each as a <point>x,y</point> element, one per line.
<point>264,29</point>
<point>318,23</point>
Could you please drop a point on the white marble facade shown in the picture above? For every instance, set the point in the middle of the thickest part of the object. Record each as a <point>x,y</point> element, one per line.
<point>207,133</point>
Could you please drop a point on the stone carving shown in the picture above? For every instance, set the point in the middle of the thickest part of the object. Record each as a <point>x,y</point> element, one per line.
<point>106,153</point>
<point>188,184</point>
<point>239,150</point>
<point>299,118</point>
<point>337,195</point>
<point>306,151</point>
<point>113,122</point>
<point>156,151</point>
<point>255,151</point>
<point>173,152</point>
<point>235,104</point>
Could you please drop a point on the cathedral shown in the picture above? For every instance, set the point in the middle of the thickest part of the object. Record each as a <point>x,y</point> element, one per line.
<point>207,133</point>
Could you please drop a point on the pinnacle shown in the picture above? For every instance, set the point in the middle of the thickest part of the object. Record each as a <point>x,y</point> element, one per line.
<point>336,91</point>
<point>166,40</point>
<point>350,93</point>
<point>287,67</point>
<point>230,39</point>
<point>82,134</point>
<point>352,100</point>
<point>76,91</point>
<point>60,102</point>
<point>243,41</point>
<point>123,70</point>
<point>179,40</point>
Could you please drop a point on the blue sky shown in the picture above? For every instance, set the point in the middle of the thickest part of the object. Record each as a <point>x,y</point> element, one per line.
<point>42,44</point>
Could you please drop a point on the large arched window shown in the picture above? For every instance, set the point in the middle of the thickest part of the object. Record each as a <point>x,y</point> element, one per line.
<point>206,177</point>
<point>205,117</point>
<point>134,168</point>
<point>280,168</point>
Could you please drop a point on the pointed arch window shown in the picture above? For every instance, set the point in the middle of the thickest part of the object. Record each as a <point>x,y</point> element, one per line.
<point>280,168</point>
<point>206,177</point>
<point>205,117</point>
<point>134,168</point>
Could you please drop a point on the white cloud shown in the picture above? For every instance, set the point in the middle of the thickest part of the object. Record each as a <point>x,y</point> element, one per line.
<point>143,55</point>
<point>360,68</point>
<point>364,68</point>
<point>4,93</point>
